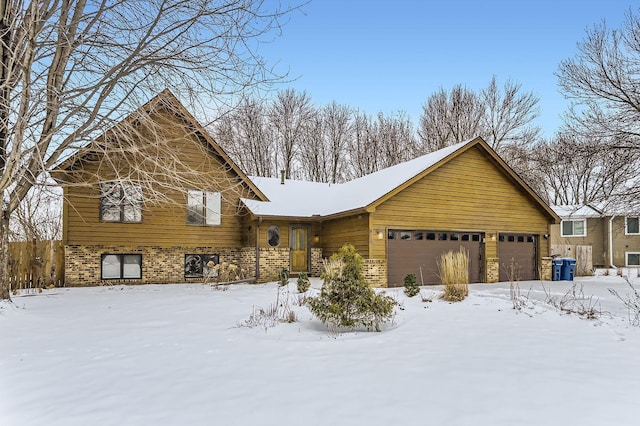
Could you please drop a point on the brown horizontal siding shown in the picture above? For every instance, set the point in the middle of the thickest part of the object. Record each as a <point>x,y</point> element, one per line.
<point>466,194</point>
<point>623,243</point>
<point>164,222</point>
<point>351,229</point>
<point>597,238</point>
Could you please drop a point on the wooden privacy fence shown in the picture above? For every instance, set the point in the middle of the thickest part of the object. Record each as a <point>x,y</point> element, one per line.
<point>36,264</point>
<point>582,254</point>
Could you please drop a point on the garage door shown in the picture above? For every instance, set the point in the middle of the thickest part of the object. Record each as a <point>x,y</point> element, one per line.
<point>418,252</point>
<point>518,254</point>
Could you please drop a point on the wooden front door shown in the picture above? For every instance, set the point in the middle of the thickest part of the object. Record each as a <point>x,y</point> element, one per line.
<point>299,245</point>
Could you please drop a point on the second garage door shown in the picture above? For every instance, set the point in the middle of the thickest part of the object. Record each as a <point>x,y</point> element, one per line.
<point>418,252</point>
<point>518,254</point>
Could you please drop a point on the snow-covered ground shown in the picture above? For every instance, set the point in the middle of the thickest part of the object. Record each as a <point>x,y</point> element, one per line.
<point>177,355</point>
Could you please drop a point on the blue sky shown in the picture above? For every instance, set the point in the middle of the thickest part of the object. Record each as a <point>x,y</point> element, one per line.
<point>391,55</point>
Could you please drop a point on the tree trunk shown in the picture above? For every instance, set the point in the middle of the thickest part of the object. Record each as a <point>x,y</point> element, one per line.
<point>4,257</point>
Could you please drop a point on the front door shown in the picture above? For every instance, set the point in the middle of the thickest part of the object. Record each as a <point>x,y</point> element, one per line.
<point>299,244</point>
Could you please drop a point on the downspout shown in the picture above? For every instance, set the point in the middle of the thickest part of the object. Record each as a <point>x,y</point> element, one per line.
<point>257,275</point>
<point>611,264</point>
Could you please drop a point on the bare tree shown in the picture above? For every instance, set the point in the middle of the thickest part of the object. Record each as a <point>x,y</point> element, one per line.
<point>602,81</point>
<point>574,170</point>
<point>395,139</point>
<point>364,147</point>
<point>38,217</point>
<point>337,131</point>
<point>379,142</point>
<point>289,116</point>
<point>245,134</point>
<point>449,118</point>
<point>313,152</point>
<point>501,116</point>
<point>508,114</point>
<point>69,68</point>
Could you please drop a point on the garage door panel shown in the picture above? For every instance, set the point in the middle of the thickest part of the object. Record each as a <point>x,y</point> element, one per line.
<point>517,255</point>
<point>418,252</point>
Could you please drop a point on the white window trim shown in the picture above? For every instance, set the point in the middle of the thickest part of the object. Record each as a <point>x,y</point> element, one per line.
<point>211,203</point>
<point>625,226</point>
<point>573,235</point>
<point>626,258</point>
<point>129,196</point>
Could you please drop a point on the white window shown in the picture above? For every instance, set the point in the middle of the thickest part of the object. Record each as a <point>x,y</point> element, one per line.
<point>633,258</point>
<point>120,202</point>
<point>574,228</point>
<point>121,266</point>
<point>203,208</point>
<point>632,225</point>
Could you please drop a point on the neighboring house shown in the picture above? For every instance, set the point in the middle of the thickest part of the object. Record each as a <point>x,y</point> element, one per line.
<point>400,219</point>
<point>612,237</point>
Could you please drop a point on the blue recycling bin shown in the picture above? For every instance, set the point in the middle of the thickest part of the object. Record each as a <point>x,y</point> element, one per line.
<point>556,264</point>
<point>568,269</point>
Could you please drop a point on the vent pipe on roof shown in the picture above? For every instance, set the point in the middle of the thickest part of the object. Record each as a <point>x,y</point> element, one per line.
<point>281,177</point>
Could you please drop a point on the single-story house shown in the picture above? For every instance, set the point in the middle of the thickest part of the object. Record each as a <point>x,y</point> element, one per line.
<point>400,219</point>
<point>609,237</point>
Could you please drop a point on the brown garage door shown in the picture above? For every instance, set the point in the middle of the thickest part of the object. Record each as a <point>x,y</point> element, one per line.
<point>418,252</point>
<point>518,257</point>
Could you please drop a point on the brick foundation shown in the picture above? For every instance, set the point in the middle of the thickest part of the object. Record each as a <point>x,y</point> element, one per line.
<point>273,260</point>
<point>546,269</point>
<point>375,272</point>
<point>317,267</point>
<point>493,269</point>
<point>162,265</point>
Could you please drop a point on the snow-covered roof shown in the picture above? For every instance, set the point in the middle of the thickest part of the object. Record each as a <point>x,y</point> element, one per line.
<point>307,199</point>
<point>577,211</point>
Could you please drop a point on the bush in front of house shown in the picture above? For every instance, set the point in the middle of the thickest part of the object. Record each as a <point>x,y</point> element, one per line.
<point>411,287</point>
<point>454,274</point>
<point>346,300</point>
<point>303,282</point>
<point>283,278</point>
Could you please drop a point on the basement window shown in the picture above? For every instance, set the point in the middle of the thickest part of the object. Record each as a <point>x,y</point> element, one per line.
<point>633,258</point>
<point>632,226</point>
<point>200,265</point>
<point>573,228</point>
<point>121,266</point>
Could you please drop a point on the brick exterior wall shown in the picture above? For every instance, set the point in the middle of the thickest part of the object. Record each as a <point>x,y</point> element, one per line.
<point>272,261</point>
<point>546,269</point>
<point>317,268</point>
<point>160,265</point>
<point>493,269</point>
<point>375,272</point>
